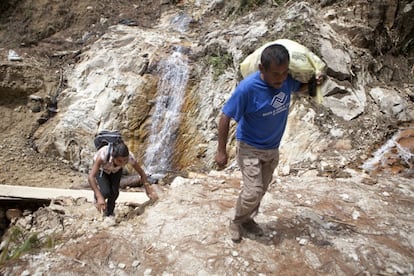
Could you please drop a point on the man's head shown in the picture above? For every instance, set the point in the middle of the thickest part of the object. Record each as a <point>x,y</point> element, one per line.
<point>274,65</point>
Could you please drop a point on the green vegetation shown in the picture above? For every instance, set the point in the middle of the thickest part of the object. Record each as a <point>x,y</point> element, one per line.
<point>246,5</point>
<point>18,243</point>
<point>280,2</point>
<point>293,31</point>
<point>220,62</point>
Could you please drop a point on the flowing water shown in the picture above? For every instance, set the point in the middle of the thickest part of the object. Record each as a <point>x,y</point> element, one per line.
<point>395,155</point>
<point>180,22</point>
<point>166,116</point>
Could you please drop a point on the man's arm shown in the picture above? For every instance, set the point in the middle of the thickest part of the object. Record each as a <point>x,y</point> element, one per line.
<point>310,87</point>
<point>223,133</point>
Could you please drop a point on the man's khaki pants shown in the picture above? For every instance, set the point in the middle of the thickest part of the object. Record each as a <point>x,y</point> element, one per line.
<point>257,167</point>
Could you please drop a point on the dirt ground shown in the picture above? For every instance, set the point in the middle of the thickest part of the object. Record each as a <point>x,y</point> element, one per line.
<point>313,226</point>
<point>21,164</point>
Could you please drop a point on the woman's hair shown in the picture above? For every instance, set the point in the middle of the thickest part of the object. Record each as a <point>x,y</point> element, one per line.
<point>120,149</point>
<point>275,53</point>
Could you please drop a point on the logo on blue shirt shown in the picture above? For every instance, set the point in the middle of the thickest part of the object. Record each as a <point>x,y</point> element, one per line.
<point>279,100</point>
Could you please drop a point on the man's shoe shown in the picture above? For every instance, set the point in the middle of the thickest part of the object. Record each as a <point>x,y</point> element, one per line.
<point>252,227</point>
<point>235,230</point>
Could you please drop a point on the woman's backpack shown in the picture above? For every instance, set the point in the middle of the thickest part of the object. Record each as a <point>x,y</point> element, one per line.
<point>107,137</point>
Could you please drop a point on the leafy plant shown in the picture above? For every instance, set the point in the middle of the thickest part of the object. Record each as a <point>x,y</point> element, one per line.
<point>17,243</point>
<point>247,4</point>
<point>293,30</point>
<point>220,63</point>
<point>279,2</point>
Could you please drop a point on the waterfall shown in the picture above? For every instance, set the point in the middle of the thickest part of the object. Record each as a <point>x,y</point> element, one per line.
<point>180,22</point>
<point>166,116</point>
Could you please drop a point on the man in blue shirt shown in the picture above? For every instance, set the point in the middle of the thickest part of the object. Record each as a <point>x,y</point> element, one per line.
<point>260,106</point>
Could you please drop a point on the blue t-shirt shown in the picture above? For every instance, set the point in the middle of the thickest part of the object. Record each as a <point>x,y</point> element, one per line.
<point>260,110</point>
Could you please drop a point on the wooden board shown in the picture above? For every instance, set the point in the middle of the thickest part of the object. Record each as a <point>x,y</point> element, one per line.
<point>25,192</point>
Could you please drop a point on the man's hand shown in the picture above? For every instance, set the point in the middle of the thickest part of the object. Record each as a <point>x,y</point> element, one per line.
<point>311,86</point>
<point>320,78</point>
<point>221,159</point>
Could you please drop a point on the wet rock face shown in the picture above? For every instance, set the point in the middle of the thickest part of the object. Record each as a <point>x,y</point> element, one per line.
<point>401,156</point>
<point>406,140</point>
<point>396,156</point>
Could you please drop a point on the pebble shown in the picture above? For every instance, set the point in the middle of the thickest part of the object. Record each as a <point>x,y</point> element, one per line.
<point>13,213</point>
<point>345,197</point>
<point>13,56</point>
<point>303,241</point>
<point>355,214</point>
<point>397,269</point>
<point>203,273</point>
<point>136,263</point>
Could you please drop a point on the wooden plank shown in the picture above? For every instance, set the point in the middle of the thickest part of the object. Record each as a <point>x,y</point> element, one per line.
<point>53,193</point>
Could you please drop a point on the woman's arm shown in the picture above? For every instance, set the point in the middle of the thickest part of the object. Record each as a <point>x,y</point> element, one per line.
<point>100,200</point>
<point>148,190</point>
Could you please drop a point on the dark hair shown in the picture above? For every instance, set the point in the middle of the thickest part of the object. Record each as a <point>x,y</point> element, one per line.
<point>120,149</point>
<point>275,53</point>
